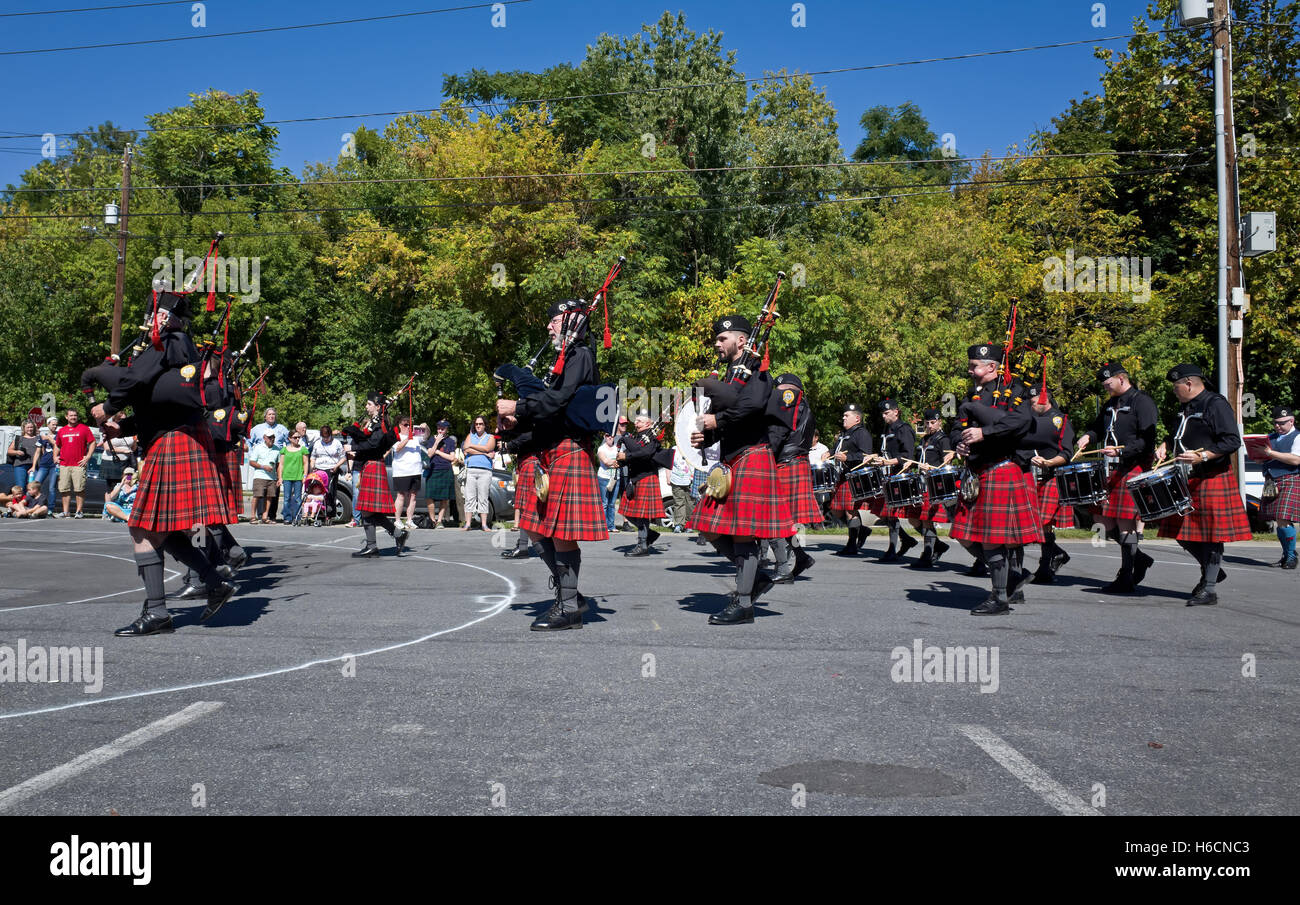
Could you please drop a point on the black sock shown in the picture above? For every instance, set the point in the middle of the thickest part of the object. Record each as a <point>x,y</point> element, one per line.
<point>724,545</point>
<point>522,542</point>
<point>178,546</point>
<point>566,567</point>
<point>999,570</point>
<point>1017,558</point>
<point>642,531</point>
<point>150,566</point>
<point>547,552</point>
<point>746,571</point>
<point>370,534</point>
<point>1213,561</point>
<point>893,533</point>
<point>1128,544</point>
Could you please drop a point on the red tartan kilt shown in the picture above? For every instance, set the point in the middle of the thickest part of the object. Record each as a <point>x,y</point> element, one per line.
<point>843,499</point>
<point>233,482</point>
<point>754,507</point>
<point>374,494</point>
<point>573,509</point>
<point>1119,502</point>
<point>797,491</point>
<point>180,484</point>
<point>1053,514</point>
<point>1285,507</point>
<point>1005,512</point>
<point>1217,512</point>
<point>525,471</point>
<point>647,503</point>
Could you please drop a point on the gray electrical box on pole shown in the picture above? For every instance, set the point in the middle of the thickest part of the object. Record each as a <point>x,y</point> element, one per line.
<point>1259,233</point>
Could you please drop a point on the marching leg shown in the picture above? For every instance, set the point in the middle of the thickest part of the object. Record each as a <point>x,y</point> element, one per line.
<point>741,608</point>
<point>154,618</point>
<point>999,565</point>
<point>178,546</point>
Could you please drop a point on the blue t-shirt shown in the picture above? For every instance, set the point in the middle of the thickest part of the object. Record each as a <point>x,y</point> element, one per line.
<point>45,453</point>
<point>477,460</point>
<point>447,445</point>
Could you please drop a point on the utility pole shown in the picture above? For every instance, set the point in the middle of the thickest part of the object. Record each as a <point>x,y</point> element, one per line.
<point>1231,326</point>
<point>116,345</point>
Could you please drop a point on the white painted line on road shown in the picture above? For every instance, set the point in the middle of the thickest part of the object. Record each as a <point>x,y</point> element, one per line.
<point>102,755</point>
<point>1024,770</point>
<point>1162,562</point>
<point>171,573</point>
<point>494,604</point>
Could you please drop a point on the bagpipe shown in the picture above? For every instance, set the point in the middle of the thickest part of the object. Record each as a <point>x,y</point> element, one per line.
<point>662,458</point>
<point>379,420</point>
<point>723,392</point>
<point>1008,389</point>
<point>591,409</point>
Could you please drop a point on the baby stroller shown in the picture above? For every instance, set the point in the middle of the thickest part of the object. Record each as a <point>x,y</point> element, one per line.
<point>312,510</point>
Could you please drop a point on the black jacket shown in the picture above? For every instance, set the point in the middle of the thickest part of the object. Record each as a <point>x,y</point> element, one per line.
<point>161,388</point>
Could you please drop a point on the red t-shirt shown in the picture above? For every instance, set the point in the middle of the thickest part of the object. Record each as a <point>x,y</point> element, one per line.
<point>74,443</point>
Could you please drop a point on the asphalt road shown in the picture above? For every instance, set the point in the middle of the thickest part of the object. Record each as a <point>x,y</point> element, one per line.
<point>413,686</point>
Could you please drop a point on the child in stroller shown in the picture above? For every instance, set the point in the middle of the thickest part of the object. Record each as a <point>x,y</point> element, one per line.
<point>313,506</point>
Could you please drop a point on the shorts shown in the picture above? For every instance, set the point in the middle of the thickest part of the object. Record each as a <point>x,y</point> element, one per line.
<point>406,483</point>
<point>438,487</point>
<point>265,490</point>
<point>72,478</point>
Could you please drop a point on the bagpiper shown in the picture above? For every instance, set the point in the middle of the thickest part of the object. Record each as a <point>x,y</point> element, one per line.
<point>642,456</point>
<point>1047,446</point>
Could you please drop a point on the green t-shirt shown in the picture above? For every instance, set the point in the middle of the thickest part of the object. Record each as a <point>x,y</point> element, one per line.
<point>294,462</point>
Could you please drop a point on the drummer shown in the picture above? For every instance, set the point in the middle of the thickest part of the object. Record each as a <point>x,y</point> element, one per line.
<point>853,444</point>
<point>1205,439</point>
<point>1283,468</point>
<point>1047,446</point>
<point>897,442</point>
<point>935,451</point>
<point>1126,427</point>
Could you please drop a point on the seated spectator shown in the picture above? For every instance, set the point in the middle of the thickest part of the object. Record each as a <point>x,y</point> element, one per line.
<point>8,499</point>
<point>33,505</point>
<point>121,498</point>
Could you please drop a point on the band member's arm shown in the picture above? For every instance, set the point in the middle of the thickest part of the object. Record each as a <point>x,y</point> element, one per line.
<point>1064,442</point>
<point>907,442</point>
<point>1015,422</point>
<point>579,369</point>
<point>751,400</point>
<point>1284,458</point>
<point>1221,422</point>
<point>1144,408</point>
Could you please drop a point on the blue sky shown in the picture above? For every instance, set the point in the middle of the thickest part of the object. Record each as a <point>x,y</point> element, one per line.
<point>987,104</point>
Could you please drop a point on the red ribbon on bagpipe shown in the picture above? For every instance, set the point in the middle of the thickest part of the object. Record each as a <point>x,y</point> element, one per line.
<point>575,321</point>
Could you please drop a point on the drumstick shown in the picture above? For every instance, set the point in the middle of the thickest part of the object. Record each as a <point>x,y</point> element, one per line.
<point>1089,452</point>
<point>914,462</point>
<point>1174,459</point>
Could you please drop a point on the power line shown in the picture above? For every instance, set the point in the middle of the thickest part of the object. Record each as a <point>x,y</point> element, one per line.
<point>258,31</point>
<point>94,9</point>
<point>685,171</point>
<point>976,184</point>
<point>629,91</point>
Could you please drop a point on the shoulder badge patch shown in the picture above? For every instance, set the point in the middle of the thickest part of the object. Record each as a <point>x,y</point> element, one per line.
<point>787,397</point>
<point>219,414</point>
<point>188,372</point>
<point>1057,421</point>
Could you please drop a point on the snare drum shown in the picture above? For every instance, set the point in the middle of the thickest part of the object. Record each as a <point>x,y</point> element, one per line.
<point>867,483</point>
<point>943,483</point>
<point>1161,493</point>
<point>824,477</point>
<point>1081,483</point>
<point>904,490</point>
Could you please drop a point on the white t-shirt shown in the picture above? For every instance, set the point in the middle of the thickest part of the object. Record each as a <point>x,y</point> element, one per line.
<point>815,454</point>
<point>406,461</point>
<point>327,455</point>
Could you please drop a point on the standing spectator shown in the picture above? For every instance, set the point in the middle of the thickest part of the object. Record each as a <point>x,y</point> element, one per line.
<point>281,433</point>
<point>438,487</point>
<point>681,477</point>
<point>292,467</point>
<point>264,459</point>
<point>301,428</point>
<point>327,455</point>
<point>607,478</point>
<point>23,453</point>
<point>33,505</point>
<point>479,447</point>
<point>74,444</point>
<point>45,465</point>
<point>408,464</point>
<point>119,500</point>
<point>818,452</point>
